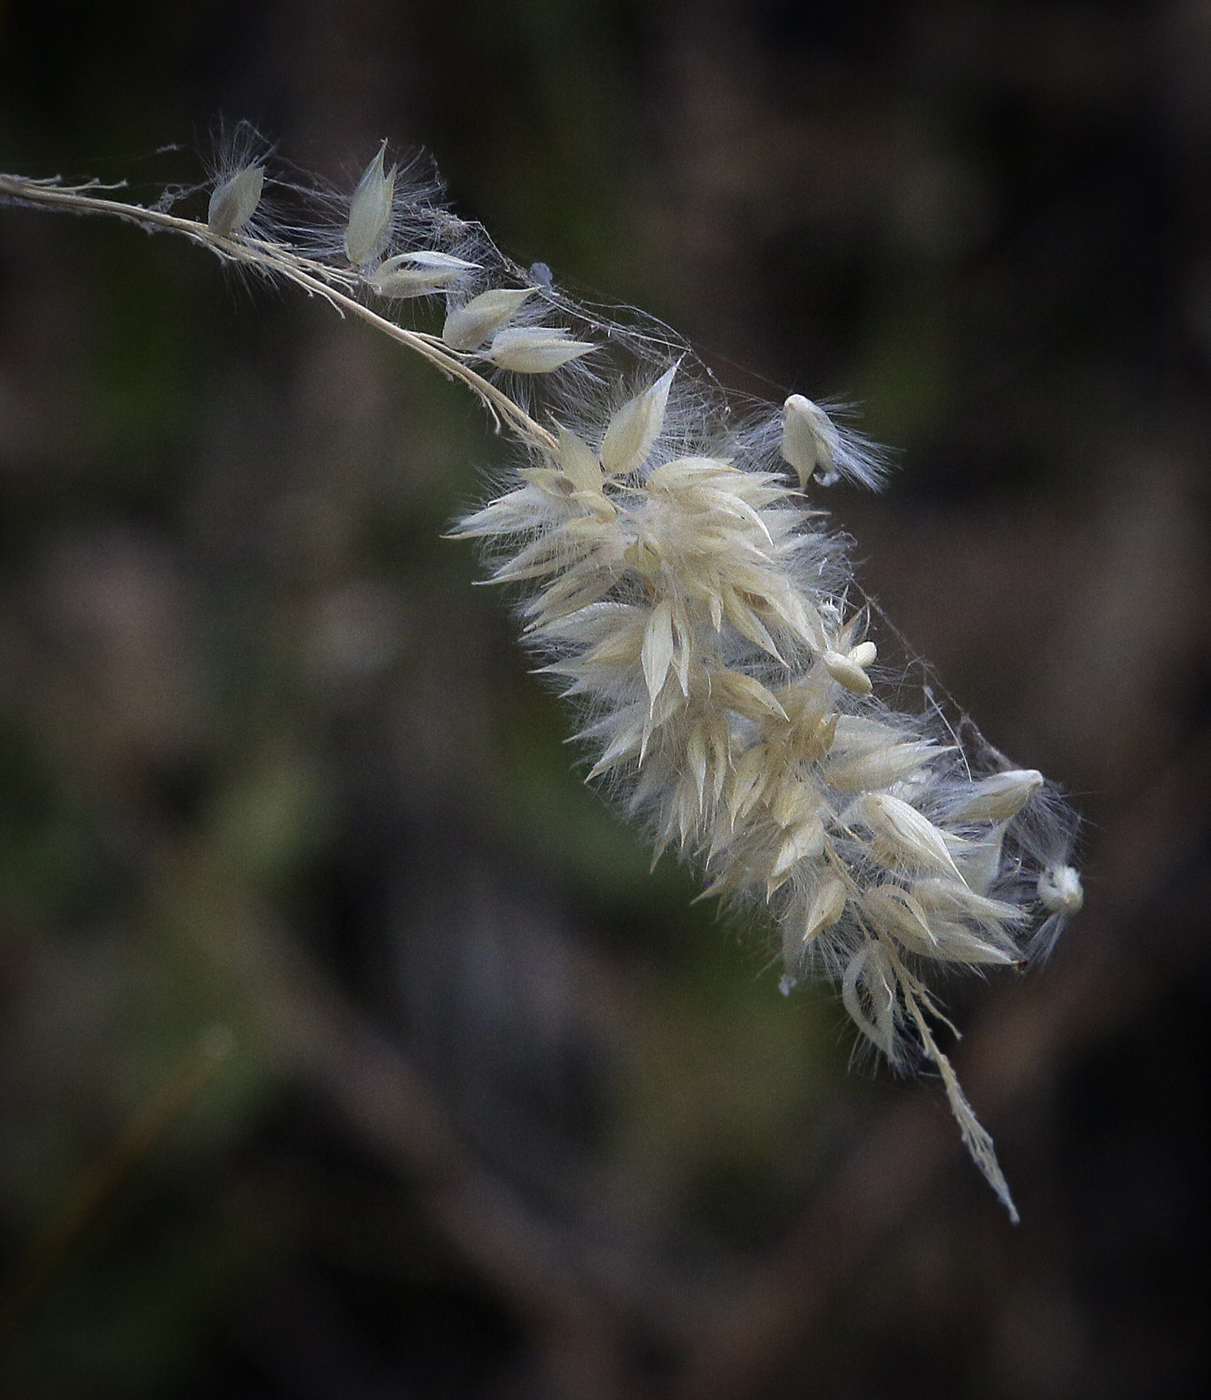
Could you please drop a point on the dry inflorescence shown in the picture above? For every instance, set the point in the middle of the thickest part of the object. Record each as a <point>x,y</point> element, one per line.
<point>678,584</point>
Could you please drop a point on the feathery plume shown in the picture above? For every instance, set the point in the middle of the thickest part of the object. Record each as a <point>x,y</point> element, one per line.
<point>676,583</point>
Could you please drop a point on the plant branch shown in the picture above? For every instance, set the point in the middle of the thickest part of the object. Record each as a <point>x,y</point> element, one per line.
<point>316,278</point>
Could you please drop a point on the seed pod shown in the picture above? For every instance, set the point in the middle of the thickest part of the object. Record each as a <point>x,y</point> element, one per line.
<point>658,646</point>
<point>878,768</point>
<point>826,908</point>
<point>579,465</point>
<point>895,912</point>
<point>801,841</point>
<point>957,901</point>
<point>745,694</point>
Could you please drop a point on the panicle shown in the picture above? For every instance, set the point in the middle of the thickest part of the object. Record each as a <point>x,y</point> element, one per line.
<point>698,613</point>
<point>677,583</point>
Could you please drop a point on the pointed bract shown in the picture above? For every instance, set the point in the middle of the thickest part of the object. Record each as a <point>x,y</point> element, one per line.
<point>635,427</point>
<point>417,274</point>
<point>369,226</point>
<point>579,465</point>
<point>467,327</point>
<point>1000,796</point>
<point>535,349</point>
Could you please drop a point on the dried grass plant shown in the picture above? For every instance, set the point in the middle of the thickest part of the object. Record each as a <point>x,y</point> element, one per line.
<point>677,580</point>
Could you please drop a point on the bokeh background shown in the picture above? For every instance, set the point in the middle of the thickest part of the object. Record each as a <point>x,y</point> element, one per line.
<point>347,1047</point>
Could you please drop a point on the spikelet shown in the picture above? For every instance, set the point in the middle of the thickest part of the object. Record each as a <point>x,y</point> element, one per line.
<point>467,327</point>
<point>418,274</point>
<point>820,451</point>
<point>535,349</point>
<point>635,427</point>
<point>678,586</point>
<point>238,170</point>
<point>234,201</point>
<point>369,227</point>
<point>999,796</point>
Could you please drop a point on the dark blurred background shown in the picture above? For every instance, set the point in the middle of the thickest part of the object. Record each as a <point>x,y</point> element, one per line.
<point>347,1047</point>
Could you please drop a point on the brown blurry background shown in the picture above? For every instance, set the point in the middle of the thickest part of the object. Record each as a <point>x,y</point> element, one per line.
<point>347,1047</point>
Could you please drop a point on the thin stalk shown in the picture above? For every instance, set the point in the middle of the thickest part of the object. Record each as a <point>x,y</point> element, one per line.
<point>315,278</point>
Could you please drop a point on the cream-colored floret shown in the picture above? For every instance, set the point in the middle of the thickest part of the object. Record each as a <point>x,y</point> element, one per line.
<point>1060,889</point>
